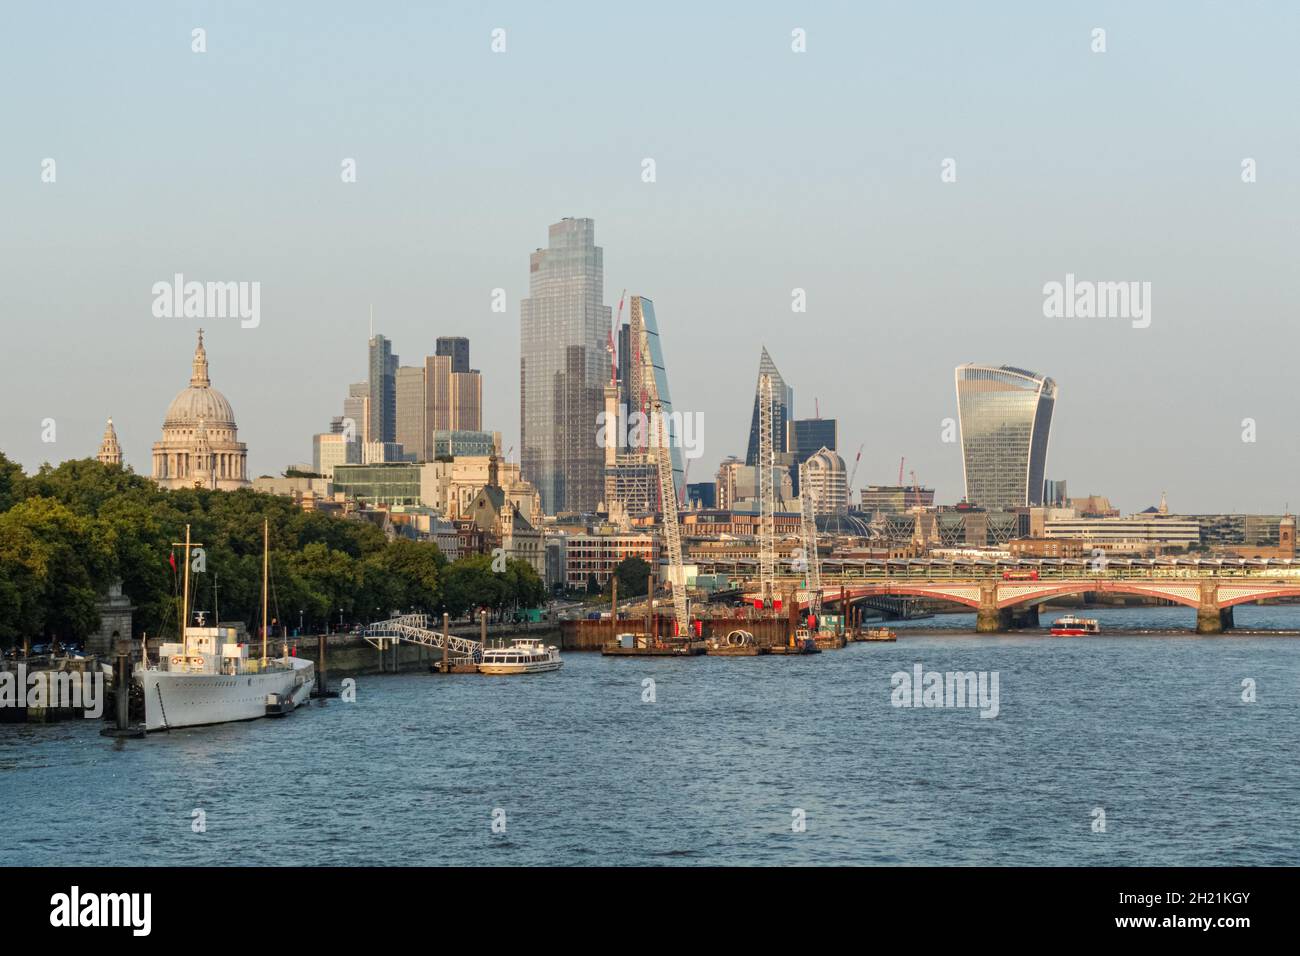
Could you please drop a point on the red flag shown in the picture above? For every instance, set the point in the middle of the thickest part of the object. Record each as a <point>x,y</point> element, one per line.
<point>171,558</point>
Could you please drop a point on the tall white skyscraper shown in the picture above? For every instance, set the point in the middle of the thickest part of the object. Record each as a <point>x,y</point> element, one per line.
<point>563,367</point>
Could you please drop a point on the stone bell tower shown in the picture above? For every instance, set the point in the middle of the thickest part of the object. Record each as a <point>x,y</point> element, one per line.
<point>110,452</point>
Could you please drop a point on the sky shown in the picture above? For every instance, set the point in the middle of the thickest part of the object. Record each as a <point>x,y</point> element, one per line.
<point>775,170</point>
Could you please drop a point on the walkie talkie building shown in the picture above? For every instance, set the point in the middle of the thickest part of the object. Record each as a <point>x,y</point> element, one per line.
<point>1005,415</point>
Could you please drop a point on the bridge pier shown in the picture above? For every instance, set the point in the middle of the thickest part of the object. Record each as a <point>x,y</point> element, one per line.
<point>991,619</point>
<point>1210,618</point>
<point>1213,620</point>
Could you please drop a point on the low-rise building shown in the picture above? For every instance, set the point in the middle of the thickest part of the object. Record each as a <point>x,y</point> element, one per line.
<point>1135,534</point>
<point>590,555</point>
<point>1046,548</point>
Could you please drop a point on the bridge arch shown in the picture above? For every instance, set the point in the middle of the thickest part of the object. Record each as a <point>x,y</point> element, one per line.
<point>1010,596</point>
<point>1261,594</point>
<point>967,595</point>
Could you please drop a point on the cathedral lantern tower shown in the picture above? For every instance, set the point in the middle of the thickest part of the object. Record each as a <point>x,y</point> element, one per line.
<point>110,452</point>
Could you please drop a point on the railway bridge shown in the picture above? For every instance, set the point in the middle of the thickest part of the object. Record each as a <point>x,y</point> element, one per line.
<point>1008,594</point>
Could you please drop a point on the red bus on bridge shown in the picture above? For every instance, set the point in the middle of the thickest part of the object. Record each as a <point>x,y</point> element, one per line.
<point>1019,575</point>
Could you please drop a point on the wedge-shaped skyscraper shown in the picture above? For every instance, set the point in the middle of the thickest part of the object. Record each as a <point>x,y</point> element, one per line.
<point>1005,415</point>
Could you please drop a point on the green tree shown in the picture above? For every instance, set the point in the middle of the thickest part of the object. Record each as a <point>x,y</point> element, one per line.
<point>633,575</point>
<point>55,563</point>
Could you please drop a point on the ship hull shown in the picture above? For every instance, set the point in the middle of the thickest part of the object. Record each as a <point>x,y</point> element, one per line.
<point>178,699</point>
<point>534,668</point>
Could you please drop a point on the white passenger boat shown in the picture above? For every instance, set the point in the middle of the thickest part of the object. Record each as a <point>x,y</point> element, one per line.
<point>208,677</point>
<point>523,656</point>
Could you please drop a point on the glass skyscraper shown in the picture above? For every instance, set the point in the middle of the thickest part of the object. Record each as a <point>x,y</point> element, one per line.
<point>1005,415</point>
<point>782,411</point>
<point>456,348</point>
<point>383,390</point>
<point>563,367</point>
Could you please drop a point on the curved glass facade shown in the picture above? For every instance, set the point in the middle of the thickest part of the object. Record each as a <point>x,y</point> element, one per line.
<point>1005,415</point>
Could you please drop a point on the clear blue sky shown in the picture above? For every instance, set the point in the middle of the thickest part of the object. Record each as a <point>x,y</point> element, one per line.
<point>775,170</point>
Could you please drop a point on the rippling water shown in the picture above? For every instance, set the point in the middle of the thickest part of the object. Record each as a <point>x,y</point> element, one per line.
<point>1151,729</point>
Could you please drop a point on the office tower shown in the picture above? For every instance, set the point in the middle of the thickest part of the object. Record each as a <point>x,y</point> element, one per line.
<point>411,432</point>
<point>1054,493</point>
<point>807,436</point>
<point>356,416</point>
<point>453,400</point>
<point>563,367</point>
<point>624,364</point>
<point>455,348</point>
<point>437,385</point>
<point>782,411</point>
<point>330,449</point>
<point>1005,415</point>
<point>702,494</point>
<point>466,401</point>
<point>647,380</point>
<point>826,483</point>
<point>383,390</point>
<point>727,482</point>
<point>804,437</point>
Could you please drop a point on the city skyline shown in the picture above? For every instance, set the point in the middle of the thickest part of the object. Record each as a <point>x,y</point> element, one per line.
<point>881,246</point>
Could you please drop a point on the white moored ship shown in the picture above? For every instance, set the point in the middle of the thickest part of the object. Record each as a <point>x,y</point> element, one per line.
<point>208,677</point>
<point>524,656</point>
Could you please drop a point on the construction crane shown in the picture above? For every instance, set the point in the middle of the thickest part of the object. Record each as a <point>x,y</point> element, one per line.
<point>667,499</point>
<point>808,532</point>
<point>854,474</point>
<point>610,348</point>
<point>672,533</point>
<point>767,503</point>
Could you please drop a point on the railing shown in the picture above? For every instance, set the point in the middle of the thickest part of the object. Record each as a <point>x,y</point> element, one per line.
<point>414,629</point>
<point>833,571</point>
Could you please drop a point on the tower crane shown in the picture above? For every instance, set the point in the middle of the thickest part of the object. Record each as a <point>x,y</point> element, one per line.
<point>808,532</point>
<point>667,499</point>
<point>854,473</point>
<point>766,494</point>
<point>672,533</point>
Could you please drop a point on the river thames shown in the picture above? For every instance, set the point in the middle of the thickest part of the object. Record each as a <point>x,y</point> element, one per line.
<point>748,761</point>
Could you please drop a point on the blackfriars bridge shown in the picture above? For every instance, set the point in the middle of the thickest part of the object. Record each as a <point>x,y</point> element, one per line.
<point>1007,594</point>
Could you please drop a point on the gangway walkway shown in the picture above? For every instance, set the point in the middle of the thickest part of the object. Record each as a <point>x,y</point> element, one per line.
<point>415,629</point>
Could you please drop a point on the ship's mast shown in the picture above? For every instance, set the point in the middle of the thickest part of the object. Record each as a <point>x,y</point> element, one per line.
<point>185,598</point>
<point>185,590</point>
